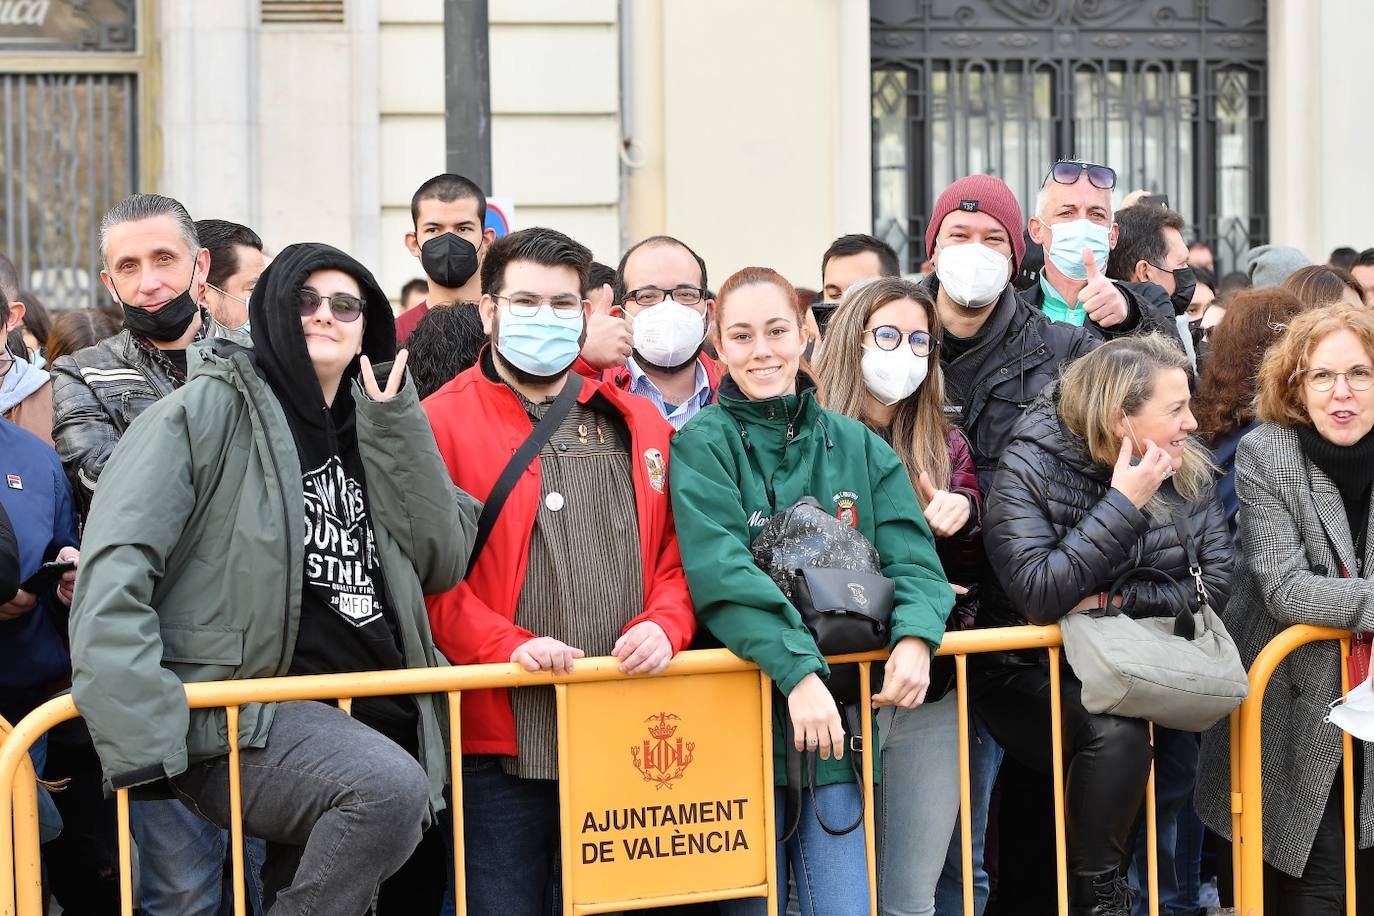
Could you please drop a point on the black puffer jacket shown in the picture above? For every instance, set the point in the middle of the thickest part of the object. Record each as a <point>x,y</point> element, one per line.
<point>1056,531</point>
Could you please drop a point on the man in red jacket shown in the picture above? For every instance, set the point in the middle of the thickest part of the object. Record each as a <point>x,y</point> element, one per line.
<point>582,559</point>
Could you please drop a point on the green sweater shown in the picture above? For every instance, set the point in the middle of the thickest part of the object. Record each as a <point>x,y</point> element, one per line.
<point>737,463</point>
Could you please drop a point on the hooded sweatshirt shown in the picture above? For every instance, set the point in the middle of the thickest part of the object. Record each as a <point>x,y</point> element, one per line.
<point>347,621</point>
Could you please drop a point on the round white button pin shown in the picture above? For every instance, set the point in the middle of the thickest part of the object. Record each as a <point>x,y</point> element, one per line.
<point>554,501</point>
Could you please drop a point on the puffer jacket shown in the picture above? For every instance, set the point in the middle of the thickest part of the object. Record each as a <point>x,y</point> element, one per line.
<point>97,392</point>
<point>1009,375</point>
<point>1056,531</point>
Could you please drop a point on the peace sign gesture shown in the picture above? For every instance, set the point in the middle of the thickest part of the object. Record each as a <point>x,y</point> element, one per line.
<point>393,383</point>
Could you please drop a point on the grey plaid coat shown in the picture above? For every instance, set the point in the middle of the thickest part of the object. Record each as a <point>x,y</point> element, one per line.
<point>1295,541</point>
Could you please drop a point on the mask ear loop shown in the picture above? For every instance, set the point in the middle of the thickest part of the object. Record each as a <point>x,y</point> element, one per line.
<point>1131,432</point>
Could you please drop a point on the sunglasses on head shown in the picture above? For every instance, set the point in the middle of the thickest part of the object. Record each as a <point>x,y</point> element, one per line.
<point>343,306</point>
<point>1068,171</point>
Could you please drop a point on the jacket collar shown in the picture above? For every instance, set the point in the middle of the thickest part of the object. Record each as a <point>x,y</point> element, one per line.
<point>796,410</point>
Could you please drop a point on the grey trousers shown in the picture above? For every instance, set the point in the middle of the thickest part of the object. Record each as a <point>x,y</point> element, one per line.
<point>341,807</point>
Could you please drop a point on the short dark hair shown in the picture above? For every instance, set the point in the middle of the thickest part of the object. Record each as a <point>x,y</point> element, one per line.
<point>9,287</point>
<point>1343,257</point>
<point>414,286</point>
<point>1140,237</point>
<point>599,275</point>
<point>546,247</point>
<point>1364,258</point>
<point>857,243</point>
<point>221,236</point>
<point>447,188</point>
<point>445,342</point>
<point>618,285</point>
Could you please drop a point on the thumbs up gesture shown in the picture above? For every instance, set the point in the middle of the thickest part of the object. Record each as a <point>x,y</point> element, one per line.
<point>1105,304</point>
<point>610,336</point>
<point>946,513</point>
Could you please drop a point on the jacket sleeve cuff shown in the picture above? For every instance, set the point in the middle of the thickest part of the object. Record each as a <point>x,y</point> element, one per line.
<point>788,681</point>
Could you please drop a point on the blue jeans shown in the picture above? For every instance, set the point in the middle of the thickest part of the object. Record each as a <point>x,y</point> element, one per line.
<point>511,840</point>
<point>181,860</point>
<point>920,803</point>
<point>831,872</point>
<point>1176,756</point>
<point>49,821</point>
<point>985,759</point>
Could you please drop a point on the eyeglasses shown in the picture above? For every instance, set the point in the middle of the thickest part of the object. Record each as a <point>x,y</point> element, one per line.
<point>653,295</point>
<point>526,305</point>
<point>1360,378</point>
<point>1068,171</point>
<point>888,337</point>
<point>227,295</point>
<point>343,307</point>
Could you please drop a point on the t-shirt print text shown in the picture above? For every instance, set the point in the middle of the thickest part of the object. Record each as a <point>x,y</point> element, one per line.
<point>339,546</point>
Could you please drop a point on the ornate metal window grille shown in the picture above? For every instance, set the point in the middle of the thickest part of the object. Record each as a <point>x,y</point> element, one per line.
<point>68,152</point>
<point>1170,93</point>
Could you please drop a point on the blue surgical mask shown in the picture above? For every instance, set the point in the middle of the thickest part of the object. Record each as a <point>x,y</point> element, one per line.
<point>542,344</point>
<point>1069,240</point>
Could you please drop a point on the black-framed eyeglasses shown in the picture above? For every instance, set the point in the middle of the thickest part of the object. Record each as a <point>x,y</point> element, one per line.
<point>344,306</point>
<point>888,337</point>
<point>1360,378</point>
<point>653,295</point>
<point>1068,171</point>
<point>527,305</point>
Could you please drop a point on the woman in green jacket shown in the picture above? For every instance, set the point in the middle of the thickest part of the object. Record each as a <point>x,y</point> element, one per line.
<point>763,446</point>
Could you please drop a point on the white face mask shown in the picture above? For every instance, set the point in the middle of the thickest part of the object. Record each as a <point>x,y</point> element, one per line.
<point>1354,712</point>
<point>973,274</point>
<point>668,334</point>
<point>892,375</point>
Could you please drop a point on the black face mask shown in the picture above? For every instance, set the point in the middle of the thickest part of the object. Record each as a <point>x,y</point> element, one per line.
<point>1185,281</point>
<point>823,312</point>
<point>449,260</point>
<point>168,322</point>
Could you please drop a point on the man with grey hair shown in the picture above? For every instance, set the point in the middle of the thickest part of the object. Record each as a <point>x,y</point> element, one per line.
<point>25,389</point>
<point>155,269</point>
<point>1073,224</point>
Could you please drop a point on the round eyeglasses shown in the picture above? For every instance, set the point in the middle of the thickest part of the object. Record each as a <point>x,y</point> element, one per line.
<point>1360,378</point>
<point>888,337</point>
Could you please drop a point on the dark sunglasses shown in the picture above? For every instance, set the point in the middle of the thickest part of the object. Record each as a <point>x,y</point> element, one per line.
<point>343,306</point>
<point>1068,171</point>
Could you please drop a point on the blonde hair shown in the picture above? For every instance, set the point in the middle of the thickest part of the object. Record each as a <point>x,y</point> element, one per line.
<point>919,430</point>
<point>1117,379</point>
<point>1279,399</point>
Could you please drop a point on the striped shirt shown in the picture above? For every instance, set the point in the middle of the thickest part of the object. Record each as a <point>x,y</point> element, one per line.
<point>644,386</point>
<point>584,580</point>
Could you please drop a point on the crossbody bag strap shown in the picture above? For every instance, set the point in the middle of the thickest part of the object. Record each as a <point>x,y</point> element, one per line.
<point>542,432</point>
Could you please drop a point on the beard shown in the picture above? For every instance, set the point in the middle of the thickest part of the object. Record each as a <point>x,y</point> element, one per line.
<point>642,361</point>
<point>520,375</point>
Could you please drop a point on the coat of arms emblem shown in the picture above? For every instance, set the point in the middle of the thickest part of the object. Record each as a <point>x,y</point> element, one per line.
<point>663,756</point>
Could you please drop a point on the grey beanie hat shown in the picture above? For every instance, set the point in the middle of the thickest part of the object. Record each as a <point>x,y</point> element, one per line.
<point>1270,265</point>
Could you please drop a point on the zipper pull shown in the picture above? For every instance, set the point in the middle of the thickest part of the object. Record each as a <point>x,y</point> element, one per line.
<point>789,430</point>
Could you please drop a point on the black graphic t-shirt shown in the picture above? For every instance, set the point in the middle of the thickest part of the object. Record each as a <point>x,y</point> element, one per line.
<point>345,622</point>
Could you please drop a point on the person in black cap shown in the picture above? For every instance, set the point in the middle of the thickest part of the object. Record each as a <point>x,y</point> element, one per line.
<point>283,513</point>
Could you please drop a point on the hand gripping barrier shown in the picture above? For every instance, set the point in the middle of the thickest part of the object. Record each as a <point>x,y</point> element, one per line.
<point>20,867</point>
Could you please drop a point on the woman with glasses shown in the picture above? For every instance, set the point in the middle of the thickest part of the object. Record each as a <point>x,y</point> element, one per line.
<point>283,513</point>
<point>1303,479</point>
<point>1102,477</point>
<point>765,444</point>
<point>880,367</point>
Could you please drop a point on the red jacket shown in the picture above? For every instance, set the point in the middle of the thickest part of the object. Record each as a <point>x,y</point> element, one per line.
<point>619,376</point>
<point>478,424</point>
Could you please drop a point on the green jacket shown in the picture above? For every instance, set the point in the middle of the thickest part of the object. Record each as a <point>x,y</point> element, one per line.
<point>739,461</point>
<point>191,564</point>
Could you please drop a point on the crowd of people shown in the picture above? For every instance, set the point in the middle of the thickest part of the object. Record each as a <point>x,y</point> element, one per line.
<point>254,467</point>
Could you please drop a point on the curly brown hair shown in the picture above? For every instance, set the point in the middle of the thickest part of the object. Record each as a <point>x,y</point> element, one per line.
<point>1254,319</point>
<point>1280,399</point>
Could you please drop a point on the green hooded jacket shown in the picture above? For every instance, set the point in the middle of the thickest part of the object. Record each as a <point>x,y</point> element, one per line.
<point>191,564</point>
<point>736,463</point>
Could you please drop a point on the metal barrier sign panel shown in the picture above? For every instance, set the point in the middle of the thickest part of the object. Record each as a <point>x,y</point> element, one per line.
<point>662,782</point>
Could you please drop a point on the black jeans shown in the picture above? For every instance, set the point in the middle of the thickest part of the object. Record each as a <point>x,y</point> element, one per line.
<point>1106,758</point>
<point>1321,889</point>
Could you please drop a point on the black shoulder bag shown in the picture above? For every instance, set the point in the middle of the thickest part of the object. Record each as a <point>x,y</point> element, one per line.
<point>542,432</point>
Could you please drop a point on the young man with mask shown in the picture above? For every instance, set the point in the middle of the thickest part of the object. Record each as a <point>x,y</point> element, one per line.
<point>1073,224</point>
<point>661,284</point>
<point>449,236</point>
<point>25,389</point>
<point>997,353</point>
<point>1151,259</point>
<point>236,261</point>
<point>155,268</point>
<point>849,259</point>
<point>603,470</point>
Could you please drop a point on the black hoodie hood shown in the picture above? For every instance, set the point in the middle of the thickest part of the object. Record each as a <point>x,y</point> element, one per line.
<point>281,355</point>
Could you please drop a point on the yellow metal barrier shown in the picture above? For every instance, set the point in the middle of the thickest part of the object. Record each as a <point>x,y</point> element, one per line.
<point>20,869</point>
<point>1247,800</point>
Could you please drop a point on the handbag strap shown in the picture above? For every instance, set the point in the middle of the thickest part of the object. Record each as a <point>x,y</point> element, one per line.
<point>1185,537</point>
<point>542,432</point>
<point>1184,625</point>
<point>849,715</point>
